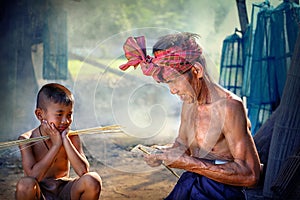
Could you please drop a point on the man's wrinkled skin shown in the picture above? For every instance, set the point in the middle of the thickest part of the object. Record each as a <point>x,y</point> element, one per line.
<point>214,126</point>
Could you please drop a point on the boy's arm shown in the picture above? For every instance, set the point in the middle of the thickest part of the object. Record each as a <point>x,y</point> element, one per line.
<point>33,168</point>
<point>73,147</point>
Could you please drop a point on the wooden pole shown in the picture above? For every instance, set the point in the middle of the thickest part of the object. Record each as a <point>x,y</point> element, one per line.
<point>243,17</point>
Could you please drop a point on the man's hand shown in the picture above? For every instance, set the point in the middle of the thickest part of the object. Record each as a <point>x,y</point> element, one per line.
<point>151,160</point>
<point>169,157</point>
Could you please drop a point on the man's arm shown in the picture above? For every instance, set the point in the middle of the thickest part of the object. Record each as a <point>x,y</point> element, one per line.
<point>243,170</point>
<point>246,163</point>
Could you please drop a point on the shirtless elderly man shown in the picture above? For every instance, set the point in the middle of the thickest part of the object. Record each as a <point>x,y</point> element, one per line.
<point>214,144</point>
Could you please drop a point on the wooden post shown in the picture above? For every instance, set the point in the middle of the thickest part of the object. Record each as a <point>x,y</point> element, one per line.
<point>243,17</point>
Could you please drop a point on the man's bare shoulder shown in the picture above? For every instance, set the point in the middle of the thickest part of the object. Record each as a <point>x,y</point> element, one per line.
<point>232,101</point>
<point>235,115</point>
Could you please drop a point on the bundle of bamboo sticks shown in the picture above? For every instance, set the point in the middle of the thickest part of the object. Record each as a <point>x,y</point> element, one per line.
<point>104,129</point>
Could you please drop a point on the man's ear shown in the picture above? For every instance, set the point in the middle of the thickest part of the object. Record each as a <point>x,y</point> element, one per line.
<point>39,114</point>
<point>198,70</point>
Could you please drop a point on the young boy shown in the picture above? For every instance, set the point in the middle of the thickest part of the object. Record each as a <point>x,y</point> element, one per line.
<point>46,164</point>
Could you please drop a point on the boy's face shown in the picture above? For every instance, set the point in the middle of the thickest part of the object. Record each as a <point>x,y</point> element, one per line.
<point>59,114</point>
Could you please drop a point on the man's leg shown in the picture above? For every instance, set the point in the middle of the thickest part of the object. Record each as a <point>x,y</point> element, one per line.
<point>194,186</point>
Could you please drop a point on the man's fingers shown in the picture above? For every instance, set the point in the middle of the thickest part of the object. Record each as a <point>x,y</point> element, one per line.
<point>152,160</point>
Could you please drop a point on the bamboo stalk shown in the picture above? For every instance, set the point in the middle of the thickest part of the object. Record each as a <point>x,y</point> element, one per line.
<point>104,129</point>
<point>166,166</point>
<point>24,141</point>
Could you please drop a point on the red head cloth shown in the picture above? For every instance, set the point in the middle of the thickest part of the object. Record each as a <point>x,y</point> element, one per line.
<point>166,63</point>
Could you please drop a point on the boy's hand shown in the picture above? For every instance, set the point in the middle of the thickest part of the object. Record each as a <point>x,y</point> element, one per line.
<point>65,133</point>
<point>52,131</point>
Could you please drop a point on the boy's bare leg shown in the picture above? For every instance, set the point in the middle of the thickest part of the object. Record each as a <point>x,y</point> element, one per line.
<point>28,188</point>
<point>87,187</point>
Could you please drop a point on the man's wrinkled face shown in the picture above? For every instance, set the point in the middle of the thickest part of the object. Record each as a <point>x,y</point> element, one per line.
<point>181,86</point>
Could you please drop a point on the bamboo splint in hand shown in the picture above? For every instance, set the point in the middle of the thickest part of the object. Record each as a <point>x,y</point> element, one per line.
<point>143,149</point>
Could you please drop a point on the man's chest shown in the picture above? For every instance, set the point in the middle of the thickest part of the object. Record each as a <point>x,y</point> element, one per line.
<point>202,129</point>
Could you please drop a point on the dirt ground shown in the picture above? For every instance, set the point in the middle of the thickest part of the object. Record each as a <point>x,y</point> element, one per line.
<point>124,175</point>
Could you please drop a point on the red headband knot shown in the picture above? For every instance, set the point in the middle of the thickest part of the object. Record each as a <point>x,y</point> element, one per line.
<point>166,63</point>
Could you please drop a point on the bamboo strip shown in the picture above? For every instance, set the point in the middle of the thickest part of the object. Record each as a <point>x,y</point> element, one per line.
<point>104,129</point>
<point>19,142</point>
<point>166,166</point>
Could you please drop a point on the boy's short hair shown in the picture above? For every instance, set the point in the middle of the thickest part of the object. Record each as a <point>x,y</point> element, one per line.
<point>55,93</point>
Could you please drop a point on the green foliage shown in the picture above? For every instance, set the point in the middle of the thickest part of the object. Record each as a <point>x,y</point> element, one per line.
<point>91,22</point>
<point>93,19</point>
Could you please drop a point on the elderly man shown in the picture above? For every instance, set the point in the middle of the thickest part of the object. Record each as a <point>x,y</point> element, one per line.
<point>214,144</point>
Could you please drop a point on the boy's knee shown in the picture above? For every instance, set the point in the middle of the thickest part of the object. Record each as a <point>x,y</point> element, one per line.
<point>26,183</point>
<point>93,181</point>
<point>26,186</point>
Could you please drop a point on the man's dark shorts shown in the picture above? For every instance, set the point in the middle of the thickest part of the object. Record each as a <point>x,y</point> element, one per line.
<point>192,186</point>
